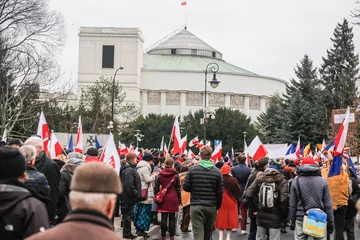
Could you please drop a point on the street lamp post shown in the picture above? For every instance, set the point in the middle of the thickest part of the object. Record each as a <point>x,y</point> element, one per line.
<point>139,137</point>
<point>113,93</point>
<point>210,68</point>
<point>244,139</point>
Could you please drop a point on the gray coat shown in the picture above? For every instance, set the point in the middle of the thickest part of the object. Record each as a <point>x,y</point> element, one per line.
<point>143,168</point>
<point>315,193</point>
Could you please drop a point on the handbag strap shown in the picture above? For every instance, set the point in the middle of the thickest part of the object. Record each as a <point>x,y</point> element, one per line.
<point>300,195</point>
<point>169,184</point>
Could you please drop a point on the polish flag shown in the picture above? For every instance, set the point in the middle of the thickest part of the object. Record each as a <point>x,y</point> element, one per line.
<point>256,150</point>
<point>79,138</point>
<point>183,3</point>
<point>297,149</point>
<point>131,148</point>
<point>248,162</point>
<point>55,147</point>
<point>136,151</point>
<point>123,150</point>
<point>184,144</point>
<point>162,144</point>
<point>208,143</point>
<point>44,132</point>
<point>166,152</point>
<point>194,142</point>
<point>176,137</point>
<point>217,153</point>
<point>191,155</point>
<point>201,144</point>
<point>110,155</point>
<point>185,152</point>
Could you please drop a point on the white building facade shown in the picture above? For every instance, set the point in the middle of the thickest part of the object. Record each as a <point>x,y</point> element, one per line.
<point>170,77</point>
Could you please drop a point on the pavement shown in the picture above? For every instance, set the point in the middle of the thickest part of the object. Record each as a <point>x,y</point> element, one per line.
<point>155,233</point>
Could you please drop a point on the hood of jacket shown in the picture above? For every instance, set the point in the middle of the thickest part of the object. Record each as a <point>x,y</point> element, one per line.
<point>270,175</point>
<point>207,164</point>
<point>143,164</point>
<point>70,168</point>
<point>126,166</point>
<point>309,170</point>
<point>182,174</point>
<point>168,172</point>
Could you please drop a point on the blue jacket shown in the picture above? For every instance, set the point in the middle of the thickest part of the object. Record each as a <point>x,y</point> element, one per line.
<point>37,181</point>
<point>241,172</point>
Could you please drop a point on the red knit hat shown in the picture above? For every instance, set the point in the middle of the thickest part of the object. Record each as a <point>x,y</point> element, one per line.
<point>225,170</point>
<point>308,160</point>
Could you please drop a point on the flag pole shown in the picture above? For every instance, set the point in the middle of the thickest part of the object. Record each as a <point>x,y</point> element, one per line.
<point>170,141</point>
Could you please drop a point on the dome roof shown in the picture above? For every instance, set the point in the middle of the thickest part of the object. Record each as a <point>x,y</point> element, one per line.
<point>185,43</point>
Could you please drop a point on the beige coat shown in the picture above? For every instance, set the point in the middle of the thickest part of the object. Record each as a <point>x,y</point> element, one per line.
<point>147,180</point>
<point>185,196</point>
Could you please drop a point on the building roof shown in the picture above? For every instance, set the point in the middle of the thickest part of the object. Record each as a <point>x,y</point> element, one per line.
<point>189,64</point>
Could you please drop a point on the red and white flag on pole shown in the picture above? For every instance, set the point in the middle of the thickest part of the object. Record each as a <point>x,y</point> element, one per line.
<point>208,143</point>
<point>194,142</point>
<point>123,150</point>
<point>110,155</point>
<point>80,138</point>
<point>184,144</point>
<point>136,151</point>
<point>162,144</point>
<point>297,149</point>
<point>200,144</point>
<point>183,3</point>
<point>217,153</point>
<point>248,163</point>
<point>191,155</point>
<point>131,148</point>
<point>166,152</point>
<point>55,146</point>
<point>256,150</point>
<point>175,134</point>
<point>43,131</point>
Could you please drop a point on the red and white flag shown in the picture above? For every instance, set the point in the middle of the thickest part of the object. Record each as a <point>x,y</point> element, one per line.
<point>191,155</point>
<point>194,142</point>
<point>79,138</point>
<point>201,144</point>
<point>297,149</point>
<point>175,134</point>
<point>183,3</point>
<point>43,131</point>
<point>162,144</point>
<point>131,148</point>
<point>248,162</point>
<point>136,151</point>
<point>256,150</point>
<point>185,152</point>
<point>166,152</point>
<point>217,153</point>
<point>184,144</point>
<point>123,150</point>
<point>208,143</point>
<point>110,155</point>
<point>55,146</point>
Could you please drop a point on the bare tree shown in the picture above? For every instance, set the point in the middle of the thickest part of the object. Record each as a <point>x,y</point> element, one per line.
<point>356,13</point>
<point>31,36</point>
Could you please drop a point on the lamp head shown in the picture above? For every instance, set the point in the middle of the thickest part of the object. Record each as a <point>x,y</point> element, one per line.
<point>214,83</point>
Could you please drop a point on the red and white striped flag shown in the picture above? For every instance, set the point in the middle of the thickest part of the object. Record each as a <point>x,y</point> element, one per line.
<point>176,137</point>
<point>201,144</point>
<point>184,144</point>
<point>79,138</point>
<point>194,142</point>
<point>217,153</point>
<point>55,146</point>
<point>256,149</point>
<point>110,155</point>
<point>123,150</point>
<point>183,3</point>
<point>43,131</point>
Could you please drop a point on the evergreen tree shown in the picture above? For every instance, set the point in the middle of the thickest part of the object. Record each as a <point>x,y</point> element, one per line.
<point>340,70</point>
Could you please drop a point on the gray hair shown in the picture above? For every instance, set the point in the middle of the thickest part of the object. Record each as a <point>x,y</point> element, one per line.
<point>86,200</point>
<point>76,161</point>
<point>74,155</point>
<point>34,141</point>
<point>29,152</point>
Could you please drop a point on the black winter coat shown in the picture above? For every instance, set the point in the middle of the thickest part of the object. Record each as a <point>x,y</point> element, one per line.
<point>205,186</point>
<point>37,181</point>
<point>131,182</point>
<point>269,218</point>
<point>52,173</point>
<point>22,212</point>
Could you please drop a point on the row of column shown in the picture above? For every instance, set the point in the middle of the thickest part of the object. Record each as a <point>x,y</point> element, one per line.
<point>183,107</point>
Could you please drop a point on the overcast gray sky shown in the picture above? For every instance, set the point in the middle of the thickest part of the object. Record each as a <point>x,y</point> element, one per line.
<point>267,37</point>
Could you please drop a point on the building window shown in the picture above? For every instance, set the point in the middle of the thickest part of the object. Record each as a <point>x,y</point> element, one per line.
<point>173,51</point>
<point>214,54</point>
<point>108,57</point>
<point>193,51</point>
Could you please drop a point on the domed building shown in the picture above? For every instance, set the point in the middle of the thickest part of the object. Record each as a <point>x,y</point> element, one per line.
<point>169,77</point>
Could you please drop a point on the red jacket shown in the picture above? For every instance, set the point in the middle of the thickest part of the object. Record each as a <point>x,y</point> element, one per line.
<point>91,159</point>
<point>172,198</point>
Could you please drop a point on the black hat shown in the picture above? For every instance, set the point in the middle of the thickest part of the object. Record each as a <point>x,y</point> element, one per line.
<point>15,141</point>
<point>92,152</point>
<point>12,163</point>
<point>148,157</point>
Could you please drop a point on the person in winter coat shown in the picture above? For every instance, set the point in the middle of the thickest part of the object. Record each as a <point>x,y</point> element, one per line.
<point>154,206</point>
<point>67,173</point>
<point>91,155</point>
<point>205,183</point>
<point>242,172</point>
<point>185,201</point>
<point>351,210</point>
<point>315,194</point>
<point>51,171</point>
<point>227,217</point>
<point>131,193</point>
<point>143,215</point>
<point>271,213</point>
<point>260,166</point>
<point>94,187</point>
<point>22,210</point>
<point>36,180</point>
<point>172,199</point>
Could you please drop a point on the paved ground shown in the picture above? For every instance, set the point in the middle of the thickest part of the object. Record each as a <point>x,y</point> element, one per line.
<point>156,235</point>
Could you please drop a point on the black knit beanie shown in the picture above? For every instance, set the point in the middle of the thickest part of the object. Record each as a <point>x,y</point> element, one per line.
<point>12,163</point>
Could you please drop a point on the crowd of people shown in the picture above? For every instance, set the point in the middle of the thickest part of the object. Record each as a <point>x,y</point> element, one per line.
<point>76,196</point>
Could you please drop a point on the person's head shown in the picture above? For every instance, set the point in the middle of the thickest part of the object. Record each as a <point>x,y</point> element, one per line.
<point>226,159</point>
<point>225,170</point>
<point>131,158</point>
<point>12,164</point>
<point>184,168</point>
<point>75,155</point>
<point>15,143</point>
<point>36,142</point>
<point>91,152</point>
<point>276,162</point>
<point>308,161</point>
<point>94,186</point>
<point>205,152</point>
<point>148,157</point>
<point>29,153</point>
<point>156,161</point>
<point>262,164</point>
<point>219,164</point>
<point>241,158</point>
<point>169,163</point>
